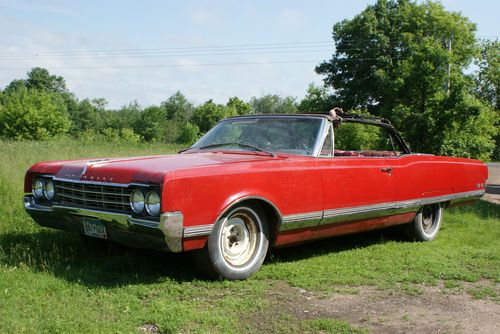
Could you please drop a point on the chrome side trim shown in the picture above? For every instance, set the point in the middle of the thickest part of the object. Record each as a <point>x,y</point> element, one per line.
<point>332,216</point>
<point>357,209</point>
<point>197,231</point>
<point>445,198</point>
<point>344,216</point>
<point>303,216</point>
<point>301,220</point>
<point>171,226</point>
<point>204,230</point>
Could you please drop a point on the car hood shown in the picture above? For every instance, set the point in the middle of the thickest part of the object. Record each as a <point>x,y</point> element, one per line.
<point>141,169</point>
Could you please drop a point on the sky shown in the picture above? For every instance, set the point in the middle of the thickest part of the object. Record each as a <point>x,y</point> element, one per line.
<point>146,50</point>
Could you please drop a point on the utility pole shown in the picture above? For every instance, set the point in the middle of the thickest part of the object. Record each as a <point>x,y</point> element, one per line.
<point>447,86</point>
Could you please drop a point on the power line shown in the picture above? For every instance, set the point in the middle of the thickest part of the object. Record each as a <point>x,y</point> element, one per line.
<point>189,65</point>
<point>347,44</point>
<point>166,65</point>
<point>194,51</point>
<point>166,55</point>
<point>203,48</point>
<point>168,49</point>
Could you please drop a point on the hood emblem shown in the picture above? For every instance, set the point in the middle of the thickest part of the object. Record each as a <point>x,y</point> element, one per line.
<point>92,163</point>
<point>89,178</point>
<point>84,177</point>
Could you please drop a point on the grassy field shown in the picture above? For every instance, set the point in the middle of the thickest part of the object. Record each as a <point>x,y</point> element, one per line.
<point>50,283</point>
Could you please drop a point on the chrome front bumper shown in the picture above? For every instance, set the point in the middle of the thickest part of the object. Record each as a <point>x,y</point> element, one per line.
<point>166,234</point>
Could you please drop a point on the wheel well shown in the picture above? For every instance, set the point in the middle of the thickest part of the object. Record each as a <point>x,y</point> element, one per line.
<point>272,215</point>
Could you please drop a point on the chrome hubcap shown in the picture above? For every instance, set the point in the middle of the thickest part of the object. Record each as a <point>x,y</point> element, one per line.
<point>239,239</point>
<point>428,219</point>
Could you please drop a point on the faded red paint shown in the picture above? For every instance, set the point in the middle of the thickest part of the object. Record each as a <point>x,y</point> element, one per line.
<point>203,185</point>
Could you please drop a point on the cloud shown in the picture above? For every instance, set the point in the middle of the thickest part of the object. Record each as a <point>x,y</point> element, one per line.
<point>292,18</point>
<point>43,6</point>
<point>205,13</point>
<point>90,75</point>
<point>186,62</point>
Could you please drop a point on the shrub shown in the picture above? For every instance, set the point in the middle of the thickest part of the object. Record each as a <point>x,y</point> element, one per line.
<point>110,135</point>
<point>473,135</point>
<point>189,134</point>
<point>32,114</point>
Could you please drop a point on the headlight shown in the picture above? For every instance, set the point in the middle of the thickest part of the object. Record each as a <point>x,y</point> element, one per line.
<point>137,201</point>
<point>48,190</point>
<point>153,203</point>
<point>37,188</point>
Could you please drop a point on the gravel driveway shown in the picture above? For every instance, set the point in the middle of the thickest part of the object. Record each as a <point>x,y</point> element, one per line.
<point>493,184</point>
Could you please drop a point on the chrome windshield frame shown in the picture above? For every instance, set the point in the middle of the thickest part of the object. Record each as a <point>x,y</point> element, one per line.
<point>320,139</point>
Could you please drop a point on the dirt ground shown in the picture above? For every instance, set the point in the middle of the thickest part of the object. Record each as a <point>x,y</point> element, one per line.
<point>491,198</point>
<point>433,309</point>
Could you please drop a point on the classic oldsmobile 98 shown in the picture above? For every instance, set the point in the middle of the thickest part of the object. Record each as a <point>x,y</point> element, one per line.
<point>255,182</point>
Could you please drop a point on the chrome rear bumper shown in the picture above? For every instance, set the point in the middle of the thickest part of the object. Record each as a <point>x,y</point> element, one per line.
<point>165,234</point>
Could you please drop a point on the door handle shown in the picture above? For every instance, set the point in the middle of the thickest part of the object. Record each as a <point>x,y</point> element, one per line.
<point>387,170</point>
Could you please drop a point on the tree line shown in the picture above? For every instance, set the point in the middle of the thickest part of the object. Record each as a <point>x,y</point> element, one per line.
<point>417,65</point>
<point>40,107</point>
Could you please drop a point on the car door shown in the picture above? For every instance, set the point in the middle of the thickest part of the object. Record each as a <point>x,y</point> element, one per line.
<point>355,187</point>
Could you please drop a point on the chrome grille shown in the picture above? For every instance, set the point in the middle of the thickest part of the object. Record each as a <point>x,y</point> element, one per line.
<point>93,196</point>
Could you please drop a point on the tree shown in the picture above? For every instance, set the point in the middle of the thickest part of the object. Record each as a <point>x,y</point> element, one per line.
<point>152,124</point>
<point>101,103</point>
<point>188,134</point>
<point>209,113</point>
<point>239,106</point>
<point>274,104</point>
<point>40,78</point>
<point>85,116</point>
<point>127,116</point>
<point>488,83</point>
<point>178,108</point>
<point>32,114</point>
<point>405,61</point>
<point>488,73</point>
<point>473,135</point>
<point>318,99</point>
<point>15,85</point>
<point>395,52</point>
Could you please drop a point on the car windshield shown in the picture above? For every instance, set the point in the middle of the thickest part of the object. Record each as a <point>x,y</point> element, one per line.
<point>293,135</point>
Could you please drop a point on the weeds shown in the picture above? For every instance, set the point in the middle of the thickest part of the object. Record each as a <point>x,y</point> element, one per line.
<point>50,283</point>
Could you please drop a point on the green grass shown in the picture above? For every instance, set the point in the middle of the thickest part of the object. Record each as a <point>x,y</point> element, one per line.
<point>467,249</point>
<point>50,283</point>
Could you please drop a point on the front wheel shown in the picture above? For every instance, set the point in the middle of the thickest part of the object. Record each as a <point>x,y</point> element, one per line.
<point>237,245</point>
<point>425,226</point>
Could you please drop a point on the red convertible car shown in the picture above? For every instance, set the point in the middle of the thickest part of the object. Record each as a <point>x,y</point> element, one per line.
<point>255,182</point>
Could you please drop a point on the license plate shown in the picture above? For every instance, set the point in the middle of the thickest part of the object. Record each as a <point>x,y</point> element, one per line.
<point>94,228</point>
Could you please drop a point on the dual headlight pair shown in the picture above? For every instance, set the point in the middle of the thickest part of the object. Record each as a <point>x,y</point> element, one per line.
<point>43,187</point>
<point>150,202</point>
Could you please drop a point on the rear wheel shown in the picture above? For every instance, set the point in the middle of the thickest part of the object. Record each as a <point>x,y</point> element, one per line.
<point>237,245</point>
<point>425,226</point>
